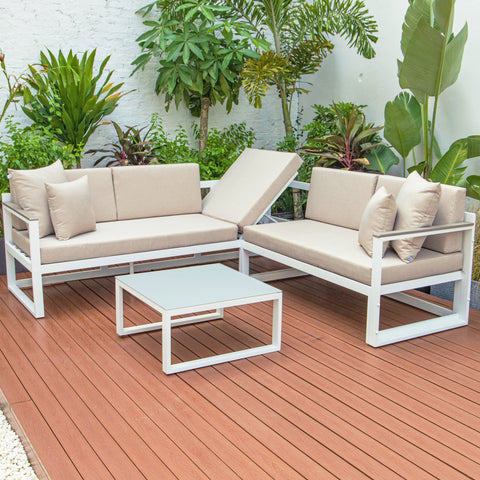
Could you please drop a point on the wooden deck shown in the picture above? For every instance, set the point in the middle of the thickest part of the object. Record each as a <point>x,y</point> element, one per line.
<point>98,407</point>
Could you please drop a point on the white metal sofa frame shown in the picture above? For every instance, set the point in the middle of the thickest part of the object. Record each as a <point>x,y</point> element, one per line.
<point>446,318</point>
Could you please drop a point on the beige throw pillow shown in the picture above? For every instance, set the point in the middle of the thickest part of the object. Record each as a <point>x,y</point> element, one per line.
<point>417,205</point>
<point>71,208</point>
<point>378,216</point>
<point>28,189</point>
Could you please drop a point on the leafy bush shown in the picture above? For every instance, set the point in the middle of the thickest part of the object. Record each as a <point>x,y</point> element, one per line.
<point>221,149</point>
<point>69,97</point>
<point>476,251</point>
<point>27,148</point>
<point>130,149</point>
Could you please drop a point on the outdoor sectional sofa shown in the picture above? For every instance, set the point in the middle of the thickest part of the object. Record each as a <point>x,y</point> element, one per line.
<point>341,210</point>
<point>86,223</point>
<point>156,212</point>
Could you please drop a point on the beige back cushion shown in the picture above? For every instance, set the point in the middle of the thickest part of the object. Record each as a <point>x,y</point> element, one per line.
<point>339,197</point>
<point>101,191</point>
<point>450,210</point>
<point>157,190</point>
<point>28,191</point>
<point>251,184</point>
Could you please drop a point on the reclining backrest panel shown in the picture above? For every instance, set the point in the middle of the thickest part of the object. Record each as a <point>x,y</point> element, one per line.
<point>250,186</point>
<point>101,191</point>
<point>450,210</point>
<point>339,197</point>
<point>157,190</point>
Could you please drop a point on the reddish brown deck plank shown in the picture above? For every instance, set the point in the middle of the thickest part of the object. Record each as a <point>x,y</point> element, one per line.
<point>326,406</point>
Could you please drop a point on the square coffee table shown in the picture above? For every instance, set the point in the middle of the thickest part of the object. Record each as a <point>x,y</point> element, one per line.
<point>193,290</point>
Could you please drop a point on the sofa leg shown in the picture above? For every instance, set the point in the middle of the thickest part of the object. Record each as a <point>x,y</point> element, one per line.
<point>243,262</point>
<point>461,299</point>
<point>37,286</point>
<point>373,319</point>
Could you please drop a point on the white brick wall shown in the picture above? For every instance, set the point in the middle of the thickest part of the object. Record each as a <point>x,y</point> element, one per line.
<point>26,27</point>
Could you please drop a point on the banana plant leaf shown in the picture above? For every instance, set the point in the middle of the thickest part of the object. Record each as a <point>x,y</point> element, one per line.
<point>381,159</point>
<point>449,169</point>
<point>432,60</point>
<point>403,121</point>
<point>473,186</point>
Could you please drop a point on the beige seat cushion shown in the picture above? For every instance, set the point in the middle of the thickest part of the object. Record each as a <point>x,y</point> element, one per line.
<point>132,236</point>
<point>417,205</point>
<point>336,249</point>
<point>71,208</point>
<point>251,184</point>
<point>378,216</point>
<point>28,190</point>
<point>157,190</point>
<point>101,191</point>
<point>339,197</point>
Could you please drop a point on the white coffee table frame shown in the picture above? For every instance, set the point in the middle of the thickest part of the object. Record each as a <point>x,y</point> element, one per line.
<point>216,277</point>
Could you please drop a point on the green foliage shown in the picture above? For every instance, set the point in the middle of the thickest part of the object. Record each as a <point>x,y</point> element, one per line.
<point>167,149</point>
<point>131,148</point>
<point>221,150</point>
<point>432,61</point>
<point>349,147</point>
<point>301,33</point>
<point>476,252</point>
<point>66,95</point>
<point>14,87</point>
<point>28,148</point>
<point>200,48</point>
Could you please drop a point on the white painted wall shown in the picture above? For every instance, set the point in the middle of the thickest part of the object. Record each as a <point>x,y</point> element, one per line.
<point>111,26</point>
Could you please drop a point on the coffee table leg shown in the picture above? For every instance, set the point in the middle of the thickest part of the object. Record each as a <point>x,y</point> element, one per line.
<point>166,343</point>
<point>277,323</point>
<point>119,308</point>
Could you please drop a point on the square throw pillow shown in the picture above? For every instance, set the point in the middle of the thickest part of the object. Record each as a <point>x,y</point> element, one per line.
<point>28,189</point>
<point>378,216</point>
<point>417,205</point>
<point>71,208</point>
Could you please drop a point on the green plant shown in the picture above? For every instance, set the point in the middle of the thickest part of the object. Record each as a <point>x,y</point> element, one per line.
<point>221,149</point>
<point>350,142</point>
<point>432,59</point>
<point>130,149</point>
<point>476,252</point>
<point>27,148</point>
<point>201,49</point>
<point>14,87</point>
<point>301,33</point>
<point>66,95</point>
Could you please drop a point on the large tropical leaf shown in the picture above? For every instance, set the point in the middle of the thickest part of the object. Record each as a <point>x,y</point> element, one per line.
<point>381,159</point>
<point>418,9</point>
<point>449,168</point>
<point>473,186</point>
<point>432,58</point>
<point>403,120</point>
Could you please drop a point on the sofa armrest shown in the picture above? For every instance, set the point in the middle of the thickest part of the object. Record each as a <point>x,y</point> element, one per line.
<point>15,209</point>
<point>424,231</point>
<point>208,183</point>
<point>299,185</point>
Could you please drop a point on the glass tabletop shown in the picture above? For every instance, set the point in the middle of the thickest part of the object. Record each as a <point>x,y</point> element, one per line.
<point>195,286</point>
